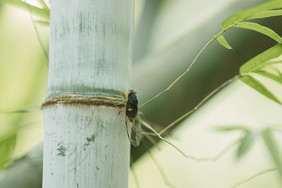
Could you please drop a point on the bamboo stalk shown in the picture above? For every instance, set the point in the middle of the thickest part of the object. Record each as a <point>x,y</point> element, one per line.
<point>85,143</point>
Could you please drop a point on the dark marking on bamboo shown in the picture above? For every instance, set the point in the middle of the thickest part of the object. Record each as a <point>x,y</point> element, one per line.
<point>88,141</point>
<point>61,151</point>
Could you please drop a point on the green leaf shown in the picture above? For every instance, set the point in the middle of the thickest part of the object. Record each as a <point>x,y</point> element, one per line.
<point>6,148</point>
<point>252,82</point>
<point>43,4</point>
<point>42,22</point>
<point>268,65</point>
<point>269,75</point>
<point>223,42</point>
<point>247,14</point>
<point>261,29</point>
<point>231,128</point>
<point>261,59</point>
<point>245,144</point>
<point>42,13</point>
<point>267,14</point>
<point>273,149</point>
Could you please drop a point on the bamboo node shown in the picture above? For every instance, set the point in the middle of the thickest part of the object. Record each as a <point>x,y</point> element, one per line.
<point>114,102</point>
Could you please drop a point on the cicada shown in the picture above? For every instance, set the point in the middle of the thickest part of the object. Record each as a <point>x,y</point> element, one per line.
<point>132,118</point>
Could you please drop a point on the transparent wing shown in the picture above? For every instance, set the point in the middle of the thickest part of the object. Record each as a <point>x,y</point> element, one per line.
<point>133,130</point>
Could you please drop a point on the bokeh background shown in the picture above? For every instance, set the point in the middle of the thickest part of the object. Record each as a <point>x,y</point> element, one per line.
<point>168,35</point>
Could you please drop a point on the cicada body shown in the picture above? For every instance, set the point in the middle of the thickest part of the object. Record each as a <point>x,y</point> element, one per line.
<point>133,123</point>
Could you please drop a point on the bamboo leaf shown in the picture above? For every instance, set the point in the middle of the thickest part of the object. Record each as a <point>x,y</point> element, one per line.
<point>266,14</point>
<point>261,29</point>
<point>43,4</point>
<point>252,82</point>
<point>223,42</point>
<point>273,149</point>
<point>231,128</point>
<point>245,144</point>
<point>268,65</point>
<point>269,75</point>
<point>261,59</point>
<point>247,14</point>
<point>42,22</point>
<point>6,148</point>
<point>42,13</point>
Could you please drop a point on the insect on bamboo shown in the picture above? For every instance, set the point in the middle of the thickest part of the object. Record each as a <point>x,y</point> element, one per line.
<point>132,118</point>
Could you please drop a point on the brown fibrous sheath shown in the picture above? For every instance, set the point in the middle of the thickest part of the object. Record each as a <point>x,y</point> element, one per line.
<point>114,102</point>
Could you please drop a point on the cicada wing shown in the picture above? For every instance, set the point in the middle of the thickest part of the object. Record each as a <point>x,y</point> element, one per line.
<point>128,128</point>
<point>133,130</point>
<point>136,131</point>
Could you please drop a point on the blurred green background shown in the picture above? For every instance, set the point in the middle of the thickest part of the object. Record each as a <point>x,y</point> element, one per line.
<point>168,35</point>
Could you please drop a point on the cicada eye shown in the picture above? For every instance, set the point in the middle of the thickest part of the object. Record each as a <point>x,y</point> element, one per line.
<point>131,92</point>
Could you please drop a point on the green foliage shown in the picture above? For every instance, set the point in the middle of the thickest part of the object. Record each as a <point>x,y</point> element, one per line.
<point>42,4</point>
<point>264,10</point>
<point>248,138</point>
<point>257,85</point>
<point>275,74</point>
<point>261,29</point>
<point>260,11</point>
<point>267,58</point>
<point>263,64</point>
<point>232,128</point>
<point>7,145</point>
<point>245,143</point>
<point>223,42</point>
<point>273,149</point>
<point>42,22</point>
<point>267,14</point>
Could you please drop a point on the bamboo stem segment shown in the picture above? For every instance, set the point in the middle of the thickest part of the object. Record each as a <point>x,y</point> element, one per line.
<point>85,140</point>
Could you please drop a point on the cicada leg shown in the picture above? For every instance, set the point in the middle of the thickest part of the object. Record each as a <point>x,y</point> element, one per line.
<point>125,96</point>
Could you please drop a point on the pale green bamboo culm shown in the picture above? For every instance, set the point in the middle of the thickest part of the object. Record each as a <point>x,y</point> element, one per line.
<point>85,141</point>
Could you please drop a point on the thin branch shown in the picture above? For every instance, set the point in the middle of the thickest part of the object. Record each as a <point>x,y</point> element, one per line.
<point>201,103</point>
<point>255,176</point>
<point>162,138</point>
<point>165,179</point>
<point>160,170</point>
<point>187,70</point>
<point>197,159</point>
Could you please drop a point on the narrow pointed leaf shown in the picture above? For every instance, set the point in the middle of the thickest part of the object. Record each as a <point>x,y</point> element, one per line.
<point>273,149</point>
<point>6,148</point>
<point>261,29</point>
<point>267,14</point>
<point>268,65</point>
<point>231,128</point>
<point>271,76</point>
<point>261,59</point>
<point>223,42</point>
<point>43,4</point>
<point>42,22</point>
<point>245,144</point>
<point>246,14</point>
<point>252,82</point>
